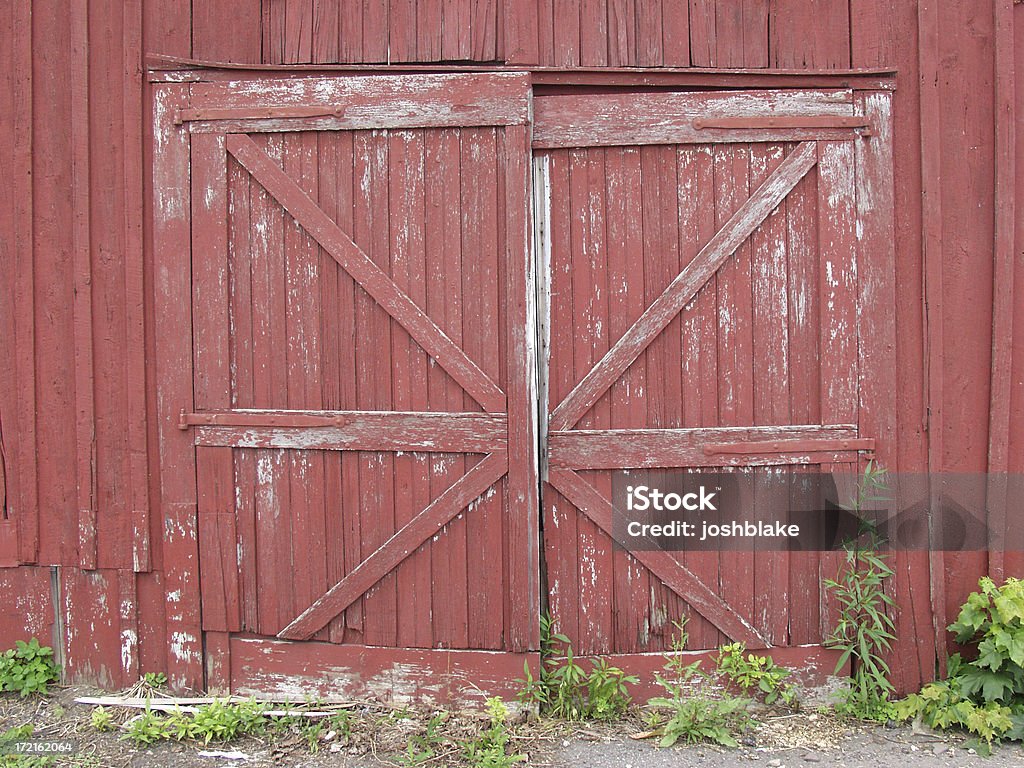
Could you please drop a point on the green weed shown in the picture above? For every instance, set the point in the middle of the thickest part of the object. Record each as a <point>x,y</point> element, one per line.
<point>756,675</point>
<point>693,714</point>
<point>864,630</point>
<point>985,696</point>
<point>27,668</point>
<point>565,690</point>
<point>490,749</point>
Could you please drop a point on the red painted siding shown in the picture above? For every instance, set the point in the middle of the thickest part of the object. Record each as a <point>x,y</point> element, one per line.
<point>78,419</point>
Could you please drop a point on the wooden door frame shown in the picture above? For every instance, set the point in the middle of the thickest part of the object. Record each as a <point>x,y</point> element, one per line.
<point>223,108</point>
<point>863,117</point>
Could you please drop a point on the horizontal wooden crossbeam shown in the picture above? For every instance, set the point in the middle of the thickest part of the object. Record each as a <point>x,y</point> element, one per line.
<point>704,447</point>
<point>354,431</point>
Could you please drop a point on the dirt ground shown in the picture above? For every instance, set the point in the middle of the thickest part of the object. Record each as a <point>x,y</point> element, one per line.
<point>379,736</point>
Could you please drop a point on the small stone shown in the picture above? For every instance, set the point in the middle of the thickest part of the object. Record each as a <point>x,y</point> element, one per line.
<point>940,749</point>
<point>914,748</point>
<point>813,716</point>
<point>565,742</point>
<point>971,752</point>
<point>776,763</point>
<point>812,758</point>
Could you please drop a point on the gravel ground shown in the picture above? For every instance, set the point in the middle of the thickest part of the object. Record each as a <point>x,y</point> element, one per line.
<point>777,741</point>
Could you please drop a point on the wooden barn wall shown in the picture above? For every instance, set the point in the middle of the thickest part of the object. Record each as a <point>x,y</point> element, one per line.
<point>76,422</point>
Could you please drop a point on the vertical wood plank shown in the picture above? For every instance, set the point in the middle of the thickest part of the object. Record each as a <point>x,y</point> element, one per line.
<point>24,264</point>
<point>173,349</point>
<point>326,31</point>
<point>580,259</point>
<point>484,30</point>
<point>566,33</point>
<point>594,33</point>
<point>735,346</point>
<point>523,22</point>
<point>480,299</point>
<point>167,27</point>
<point>455,30</point>
<point>405,194</point>
<point>134,282</point>
<point>730,18</point>
<point>350,30</point>
<point>298,31</point>
<point>675,26</point>
<point>402,30</point>
<point>345,186</point>
<point>429,14</point>
<point>227,31</point>
<point>1003,285</point>
<point>305,271</point>
<point>596,550</point>
<point>270,390</point>
<point>560,523</point>
<point>630,584</point>
<point>374,363</point>
<point>931,187</point>
<point>699,368</point>
<point>771,384</point>
<point>212,382</point>
<point>419,264</point>
<point>274,36</point>
<point>85,403</point>
<point>622,39</point>
<point>873,33</point>
<point>649,47</point>
<point>443,246</point>
<point>703,51</point>
<point>877,412</point>
<point>824,44</point>
<point>521,352</point>
<point>838,301</point>
<point>804,378</point>
<point>128,614</point>
<point>660,254</point>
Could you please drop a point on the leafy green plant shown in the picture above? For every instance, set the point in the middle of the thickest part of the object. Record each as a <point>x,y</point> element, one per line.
<point>565,690</point>
<point>422,748</point>
<point>27,668</point>
<point>154,679</point>
<point>984,696</point>
<point>102,720</point>
<point>693,714</point>
<point>490,748</point>
<point>216,721</point>
<point>864,630</point>
<point>755,674</point>
<point>223,721</point>
<point>147,728</point>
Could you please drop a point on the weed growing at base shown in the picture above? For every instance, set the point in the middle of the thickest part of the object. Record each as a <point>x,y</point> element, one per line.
<point>756,675</point>
<point>694,713</point>
<point>985,696</point>
<point>864,630</point>
<point>27,668</point>
<point>565,690</point>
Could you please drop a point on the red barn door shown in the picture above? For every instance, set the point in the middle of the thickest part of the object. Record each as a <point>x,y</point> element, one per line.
<point>716,266</point>
<point>345,360</point>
